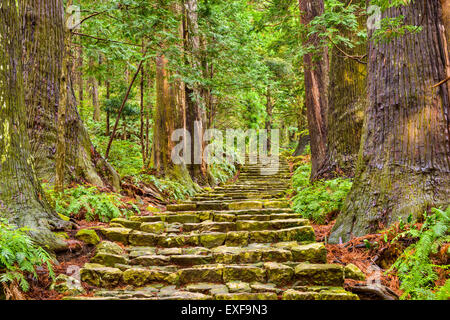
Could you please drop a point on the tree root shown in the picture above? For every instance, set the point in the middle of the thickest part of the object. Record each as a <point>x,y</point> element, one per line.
<point>380,291</point>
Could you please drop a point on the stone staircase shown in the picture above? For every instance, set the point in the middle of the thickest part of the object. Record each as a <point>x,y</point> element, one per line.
<point>240,241</point>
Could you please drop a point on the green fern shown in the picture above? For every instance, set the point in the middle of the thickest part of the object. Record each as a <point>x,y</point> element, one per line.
<point>415,269</point>
<point>315,201</point>
<point>19,256</point>
<point>96,205</point>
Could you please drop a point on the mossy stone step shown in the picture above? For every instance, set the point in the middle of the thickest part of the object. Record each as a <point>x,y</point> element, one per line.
<point>324,294</point>
<point>227,205</point>
<point>319,274</point>
<point>279,274</point>
<point>218,216</point>
<point>139,238</point>
<point>289,252</point>
<point>241,196</point>
<point>268,217</point>
<point>236,189</point>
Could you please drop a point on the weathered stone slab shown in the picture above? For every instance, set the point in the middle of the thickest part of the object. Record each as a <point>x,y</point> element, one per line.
<point>243,273</point>
<point>319,274</point>
<point>100,276</point>
<point>127,223</point>
<point>117,234</point>
<point>140,238</point>
<point>247,296</point>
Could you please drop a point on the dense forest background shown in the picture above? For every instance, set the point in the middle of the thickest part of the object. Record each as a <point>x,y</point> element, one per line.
<point>91,92</point>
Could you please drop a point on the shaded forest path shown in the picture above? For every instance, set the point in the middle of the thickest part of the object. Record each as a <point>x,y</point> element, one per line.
<point>239,241</point>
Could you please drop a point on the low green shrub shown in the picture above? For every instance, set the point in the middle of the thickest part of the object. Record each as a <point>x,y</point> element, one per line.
<point>222,172</point>
<point>88,201</point>
<point>416,271</point>
<point>315,201</point>
<point>19,256</point>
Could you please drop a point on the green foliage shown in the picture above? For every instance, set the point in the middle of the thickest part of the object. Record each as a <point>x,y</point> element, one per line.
<point>315,201</point>
<point>337,20</point>
<point>222,172</point>
<point>416,271</point>
<point>93,204</point>
<point>19,256</point>
<point>172,189</point>
<point>126,157</point>
<point>392,27</point>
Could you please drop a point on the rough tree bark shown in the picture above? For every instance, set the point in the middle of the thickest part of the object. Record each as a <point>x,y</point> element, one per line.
<point>93,82</point>
<point>21,197</point>
<point>166,118</point>
<point>316,87</point>
<point>43,46</point>
<point>446,21</point>
<point>404,162</point>
<point>62,108</point>
<point>347,101</point>
<point>80,81</point>
<point>142,116</point>
<point>195,111</point>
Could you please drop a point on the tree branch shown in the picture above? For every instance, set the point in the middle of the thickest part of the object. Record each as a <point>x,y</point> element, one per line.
<point>441,83</point>
<point>106,40</point>
<point>121,108</point>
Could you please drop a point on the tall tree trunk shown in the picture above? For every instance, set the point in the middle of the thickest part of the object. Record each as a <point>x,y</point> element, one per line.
<point>446,21</point>
<point>43,46</point>
<point>166,118</point>
<point>404,162</point>
<point>108,114</point>
<point>21,196</point>
<point>80,79</point>
<point>195,112</point>
<point>93,82</point>
<point>142,116</point>
<point>62,108</point>
<point>316,88</point>
<point>347,102</point>
<point>150,87</point>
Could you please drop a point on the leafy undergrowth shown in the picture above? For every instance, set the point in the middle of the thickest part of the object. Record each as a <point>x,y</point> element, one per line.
<point>19,258</point>
<point>422,264</point>
<point>83,202</point>
<point>315,201</point>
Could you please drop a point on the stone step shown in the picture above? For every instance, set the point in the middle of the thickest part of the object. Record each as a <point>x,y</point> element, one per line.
<point>234,189</point>
<point>211,291</point>
<point>265,174</point>
<point>212,222</point>
<point>199,216</point>
<point>209,240</point>
<point>229,291</point>
<point>283,252</point>
<point>263,180</point>
<point>271,175</point>
<point>279,184</point>
<point>239,197</point>
<point>243,225</point>
<point>233,193</point>
<point>280,274</point>
<point>227,205</point>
